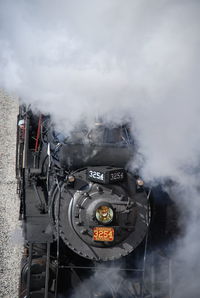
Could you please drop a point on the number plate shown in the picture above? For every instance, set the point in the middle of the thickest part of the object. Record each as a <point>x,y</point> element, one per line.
<point>96,176</point>
<point>105,175</point>
<point>103,234</point>
<point>117,175</point>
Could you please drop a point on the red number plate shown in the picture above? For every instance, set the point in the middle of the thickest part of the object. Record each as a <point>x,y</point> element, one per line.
<point>103,234</point>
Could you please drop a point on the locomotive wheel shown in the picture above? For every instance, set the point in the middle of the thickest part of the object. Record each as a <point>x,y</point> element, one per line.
<point>37,281</point>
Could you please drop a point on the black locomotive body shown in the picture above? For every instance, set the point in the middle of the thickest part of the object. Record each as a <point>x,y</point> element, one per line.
<point>81,209</point>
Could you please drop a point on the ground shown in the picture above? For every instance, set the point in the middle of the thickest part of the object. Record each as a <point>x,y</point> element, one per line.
<point>10,232</point>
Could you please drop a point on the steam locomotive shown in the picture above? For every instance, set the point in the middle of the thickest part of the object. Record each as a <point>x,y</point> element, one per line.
<point>83,210</point>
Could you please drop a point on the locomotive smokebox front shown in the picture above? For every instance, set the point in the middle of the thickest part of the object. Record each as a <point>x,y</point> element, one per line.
<point>102,214</point>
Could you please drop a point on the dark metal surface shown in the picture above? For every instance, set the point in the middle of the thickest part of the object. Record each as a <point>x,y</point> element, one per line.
<point>79,156</point>
<point>52,207</point>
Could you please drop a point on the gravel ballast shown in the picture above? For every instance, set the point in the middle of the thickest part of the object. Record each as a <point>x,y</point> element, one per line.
<point>10,232</point>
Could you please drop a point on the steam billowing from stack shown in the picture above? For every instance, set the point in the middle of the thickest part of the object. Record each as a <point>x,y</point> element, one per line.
<point>119,60</point>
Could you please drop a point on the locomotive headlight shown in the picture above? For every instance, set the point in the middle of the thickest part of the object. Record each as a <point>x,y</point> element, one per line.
<point>140,182</point>
<point>71,178</point>
<point>104,214</point>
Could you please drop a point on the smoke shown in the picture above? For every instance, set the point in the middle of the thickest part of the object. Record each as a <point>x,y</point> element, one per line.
<point>82,60</point>
<point>101,283</point>
<point>121,60</point>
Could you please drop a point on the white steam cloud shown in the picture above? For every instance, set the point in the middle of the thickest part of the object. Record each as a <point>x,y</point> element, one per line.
<point>134,59</point>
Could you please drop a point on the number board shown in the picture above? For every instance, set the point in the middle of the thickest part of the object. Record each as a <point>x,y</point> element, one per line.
<point>116,175</point>
<point>106,175</point>
<point>97,175</point>
<point>103,234</point>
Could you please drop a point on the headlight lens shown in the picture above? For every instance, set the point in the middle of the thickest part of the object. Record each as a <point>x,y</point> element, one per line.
<point>104,214</point>
<point>140,182</point>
